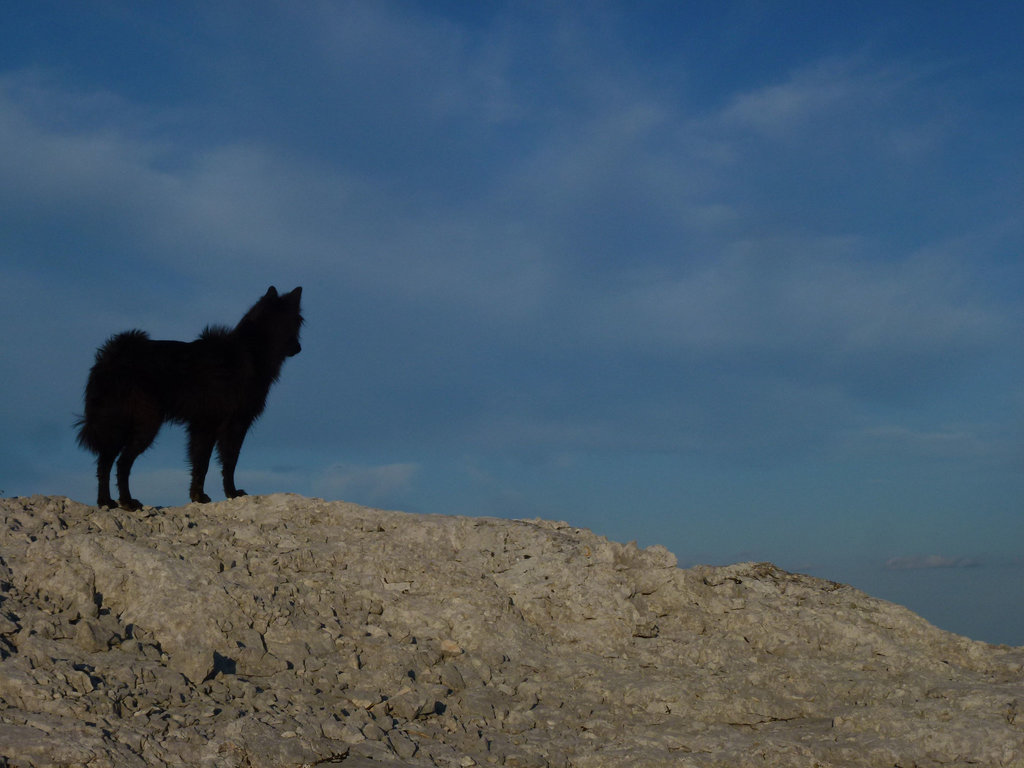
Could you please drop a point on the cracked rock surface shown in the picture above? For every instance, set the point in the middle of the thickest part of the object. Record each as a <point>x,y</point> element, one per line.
<point>284,631</point>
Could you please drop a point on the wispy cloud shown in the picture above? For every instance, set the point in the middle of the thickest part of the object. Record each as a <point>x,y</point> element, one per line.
<point>848,93</point>
<point>367,484</point>
<point>956,442</point>
<point>612,240</point>
<point>924,562</point>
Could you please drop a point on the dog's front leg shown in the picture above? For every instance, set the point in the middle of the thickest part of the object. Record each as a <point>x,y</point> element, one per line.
<point>228,447</point>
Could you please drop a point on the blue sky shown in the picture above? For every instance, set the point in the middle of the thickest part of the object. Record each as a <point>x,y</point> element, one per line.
<point>743,279</point>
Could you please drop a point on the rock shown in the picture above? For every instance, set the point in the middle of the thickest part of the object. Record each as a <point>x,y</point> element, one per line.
<point>284,631</point>
<point>92,637</point>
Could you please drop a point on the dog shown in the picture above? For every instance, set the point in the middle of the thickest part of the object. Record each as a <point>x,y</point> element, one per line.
<point>216,386</point>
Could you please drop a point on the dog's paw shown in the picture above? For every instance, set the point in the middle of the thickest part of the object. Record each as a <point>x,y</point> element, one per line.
<point>200,498</point>
<point>132,505</point>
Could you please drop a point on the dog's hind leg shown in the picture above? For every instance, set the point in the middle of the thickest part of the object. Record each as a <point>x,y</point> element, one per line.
<point>124,469</point>
<point>144,433</point>
<point>200,448</point>
<point>103,466</point>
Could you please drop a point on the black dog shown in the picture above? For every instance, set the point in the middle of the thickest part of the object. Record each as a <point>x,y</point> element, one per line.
<point>216,386</point>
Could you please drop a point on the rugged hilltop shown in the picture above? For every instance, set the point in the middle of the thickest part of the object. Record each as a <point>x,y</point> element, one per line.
<point>284,631</point>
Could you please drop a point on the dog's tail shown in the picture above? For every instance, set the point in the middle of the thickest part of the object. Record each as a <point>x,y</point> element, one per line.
<point>85,437</point>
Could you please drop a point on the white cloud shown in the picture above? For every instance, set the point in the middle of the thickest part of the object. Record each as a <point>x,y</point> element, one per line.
<point>366,484</point>
<point>923,562</point>
<point>821,297</point>
<point>959,442</point>
<point>782,108</point>
<point>842,102</point>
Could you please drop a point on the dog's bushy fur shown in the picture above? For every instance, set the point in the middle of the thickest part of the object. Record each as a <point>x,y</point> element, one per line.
<point>216,386</point>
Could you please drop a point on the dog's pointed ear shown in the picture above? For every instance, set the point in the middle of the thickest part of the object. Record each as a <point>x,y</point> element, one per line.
<point>271,293</point>
<point>296,294</point>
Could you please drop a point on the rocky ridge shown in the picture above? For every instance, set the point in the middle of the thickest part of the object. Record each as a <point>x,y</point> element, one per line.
<point>285,631</point>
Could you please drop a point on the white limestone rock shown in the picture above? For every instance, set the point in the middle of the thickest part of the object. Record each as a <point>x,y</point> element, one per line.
<point>285,631</point>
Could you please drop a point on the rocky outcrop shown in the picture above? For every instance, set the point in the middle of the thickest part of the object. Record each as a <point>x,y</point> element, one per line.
<point>283,631</point>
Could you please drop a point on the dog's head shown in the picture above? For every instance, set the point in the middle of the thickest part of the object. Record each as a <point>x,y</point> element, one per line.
<point>276,321</point>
